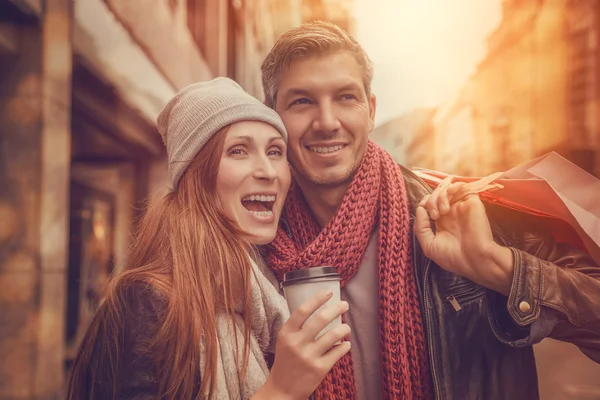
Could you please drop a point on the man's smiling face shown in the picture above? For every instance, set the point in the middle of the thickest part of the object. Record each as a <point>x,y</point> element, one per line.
<point>328,116</point>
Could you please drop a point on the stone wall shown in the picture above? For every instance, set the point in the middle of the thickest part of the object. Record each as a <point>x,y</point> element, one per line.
<point>34,176</point>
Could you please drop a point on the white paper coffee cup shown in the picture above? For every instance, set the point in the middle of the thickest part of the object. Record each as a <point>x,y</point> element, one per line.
<point>301,285</point>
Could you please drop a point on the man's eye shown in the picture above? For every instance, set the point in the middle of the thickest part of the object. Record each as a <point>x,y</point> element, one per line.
<point>348,97</point>
<point>300,101</point>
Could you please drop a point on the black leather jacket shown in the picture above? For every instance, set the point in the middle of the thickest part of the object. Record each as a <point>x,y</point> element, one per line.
<point>479,341</point>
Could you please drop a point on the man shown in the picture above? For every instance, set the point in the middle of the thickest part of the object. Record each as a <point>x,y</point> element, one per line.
<point>452,315</point>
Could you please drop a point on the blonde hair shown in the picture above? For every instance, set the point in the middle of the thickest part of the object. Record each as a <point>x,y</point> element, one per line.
<point>313,38</point>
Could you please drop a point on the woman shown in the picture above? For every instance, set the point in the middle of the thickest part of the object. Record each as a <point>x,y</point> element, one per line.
<point>192,315</point>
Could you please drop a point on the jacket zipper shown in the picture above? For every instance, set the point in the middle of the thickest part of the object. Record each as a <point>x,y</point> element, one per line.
<point>455,299</point>
<point>426,300</point>
<point>455,304</point>
<point>429,333</point>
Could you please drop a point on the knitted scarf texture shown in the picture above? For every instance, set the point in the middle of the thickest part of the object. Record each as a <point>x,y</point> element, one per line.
<point>376,199</point>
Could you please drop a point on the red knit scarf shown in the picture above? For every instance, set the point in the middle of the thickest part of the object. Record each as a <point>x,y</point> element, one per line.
<point>376,198</point>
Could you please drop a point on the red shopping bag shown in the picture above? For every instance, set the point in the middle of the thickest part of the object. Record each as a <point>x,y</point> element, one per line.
<point>564,198</point>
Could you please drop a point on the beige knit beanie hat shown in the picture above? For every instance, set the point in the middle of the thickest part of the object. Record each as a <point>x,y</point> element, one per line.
<point>199,111</point>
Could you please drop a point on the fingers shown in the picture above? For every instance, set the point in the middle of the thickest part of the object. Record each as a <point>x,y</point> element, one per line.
<point>326,342</point>
<point>431,201</point>
<point>453,192</point>
<point>323,318</point>
<point>333,355</point>
<point>438,203</point>
<point>299,317</point>
<point>422,228</point>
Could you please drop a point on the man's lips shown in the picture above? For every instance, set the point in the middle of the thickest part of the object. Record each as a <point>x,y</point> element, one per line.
<point>326,149</point>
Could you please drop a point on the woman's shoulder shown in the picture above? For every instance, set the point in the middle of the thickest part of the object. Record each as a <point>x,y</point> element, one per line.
<point>143,297</point>
<point>141,305</point>
<point>117,353</point>
<point>143,315</point>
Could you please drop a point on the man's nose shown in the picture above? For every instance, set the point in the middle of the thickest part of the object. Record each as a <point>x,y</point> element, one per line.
<point>327,120</point>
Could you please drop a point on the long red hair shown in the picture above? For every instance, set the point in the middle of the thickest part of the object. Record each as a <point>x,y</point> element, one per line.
<point>194,258</point>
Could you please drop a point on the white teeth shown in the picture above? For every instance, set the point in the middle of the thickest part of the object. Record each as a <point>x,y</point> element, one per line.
<point>257,197</point>
<point>262,213</point>
<point>325,149</point>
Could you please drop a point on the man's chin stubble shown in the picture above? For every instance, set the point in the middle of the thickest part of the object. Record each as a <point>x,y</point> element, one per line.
<point>325,180</point>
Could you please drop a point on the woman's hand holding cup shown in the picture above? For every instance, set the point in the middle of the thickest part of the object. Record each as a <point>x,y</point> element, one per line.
<point>301,361</point>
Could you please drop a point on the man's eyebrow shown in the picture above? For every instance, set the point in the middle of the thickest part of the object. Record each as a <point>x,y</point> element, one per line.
<point>349,86</point>
<point>306,92</point>
<point>297,91</point>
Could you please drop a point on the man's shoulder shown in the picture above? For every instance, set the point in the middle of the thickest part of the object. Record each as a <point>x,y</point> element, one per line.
<point>416,188</point>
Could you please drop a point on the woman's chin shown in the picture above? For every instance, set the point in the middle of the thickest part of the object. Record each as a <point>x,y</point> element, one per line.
<point>261,239</point>
<point>262,236</point>
<point>260,230</point>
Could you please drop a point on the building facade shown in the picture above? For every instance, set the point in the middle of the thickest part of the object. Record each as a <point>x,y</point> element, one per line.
<point>340,12</point>
<point>535,91</point>
<point>409,138</point>
<point>454,135</point>
<point>520,88</point>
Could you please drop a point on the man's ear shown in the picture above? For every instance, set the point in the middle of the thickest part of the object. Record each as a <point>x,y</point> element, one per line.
<point>372,111</point>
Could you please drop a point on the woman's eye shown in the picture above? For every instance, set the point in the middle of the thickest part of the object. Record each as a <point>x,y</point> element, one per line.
<point>275,152</point>
<point>236,152</point>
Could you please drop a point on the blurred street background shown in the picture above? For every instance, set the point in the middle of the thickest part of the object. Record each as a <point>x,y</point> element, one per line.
<point>468,87</point>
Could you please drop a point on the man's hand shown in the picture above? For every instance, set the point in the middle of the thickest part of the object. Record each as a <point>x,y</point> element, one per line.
<point>463,241</point>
